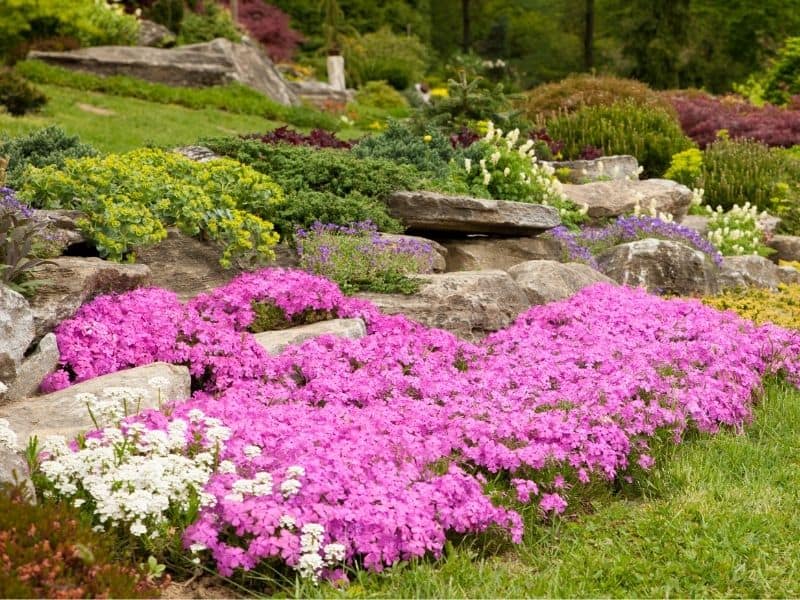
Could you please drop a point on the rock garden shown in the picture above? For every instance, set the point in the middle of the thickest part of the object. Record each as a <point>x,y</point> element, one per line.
<point>472,344</point>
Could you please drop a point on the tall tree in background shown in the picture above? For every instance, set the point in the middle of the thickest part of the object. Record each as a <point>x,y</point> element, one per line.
<point>588,36</point>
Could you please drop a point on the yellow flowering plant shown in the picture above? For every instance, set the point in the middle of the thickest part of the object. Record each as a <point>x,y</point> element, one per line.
<point>129,199</point>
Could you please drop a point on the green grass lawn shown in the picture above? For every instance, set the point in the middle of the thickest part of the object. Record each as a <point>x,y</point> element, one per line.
<point>118,124</point>
<point>719,517</point>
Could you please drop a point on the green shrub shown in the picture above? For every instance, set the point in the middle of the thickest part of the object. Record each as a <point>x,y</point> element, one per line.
<point>578,91</point>
<point>739,171</point>
<point>18,95</point>
<point>91,23</point>
<point>233,97</point>
<point>48,551</point>
<point>382,55</point>
<point>214,22</point>
<point>782,80</point>
<point>129,199</point>
<point>300,168</point>
<point>379,94</point>
<point>40,148</point>
<point>737,232</point>
<point>508,170</point>
<point>428,153</point>
<point>303,208</point>
<point>169,13</point>
<point>686,167</point>
<point>652,135</point>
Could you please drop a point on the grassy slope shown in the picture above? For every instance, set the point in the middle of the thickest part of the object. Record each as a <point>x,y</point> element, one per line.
<point>136,123</point>
<point>720,517</point>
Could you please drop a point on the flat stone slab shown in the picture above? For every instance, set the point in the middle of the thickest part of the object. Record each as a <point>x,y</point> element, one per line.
<point>275,342</point>
<point>479,253</point>
<point>608,199</point>
<point>431,211</point>
<point>217,62</point>
<point>469,304</point>
<point>64,413</point>
<point>787,247</point>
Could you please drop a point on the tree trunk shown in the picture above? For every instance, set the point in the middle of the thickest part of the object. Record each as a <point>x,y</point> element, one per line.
<point>466,42</point>
<point>588,36</point>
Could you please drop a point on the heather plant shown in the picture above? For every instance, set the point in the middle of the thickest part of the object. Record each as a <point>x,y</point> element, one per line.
<point>703,116</point>
<point>50,552</point>
<point>358,258</point>
<point>650,134</point>
<point>503,168</point>
<point>387,445</point>
<point>40,148</point>
<point>317,138</point>
<point>739,171</point>
<point>429,152</point>
<point>578,91</point>
<point>129,199</point>
<point>737,232</point>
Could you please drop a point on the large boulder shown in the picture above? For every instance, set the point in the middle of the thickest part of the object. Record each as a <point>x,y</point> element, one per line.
<point>481,252</point>
<point>68,282</point>
<point>748,271</point>
<point>787,247</point>
<point>198,65</point>
<point>65,412</point>
<point>431,211</point>
<point>34,369</point>
<point>661,266</point>
<point>606,167</point>
<point>438,260</point>
<point>470,304</point>
<point>549,281</point>
<point>17,331</point>
<point>275,342</point>
<point>154,34</point>
<point>607,199</point>
<point>189,266</point>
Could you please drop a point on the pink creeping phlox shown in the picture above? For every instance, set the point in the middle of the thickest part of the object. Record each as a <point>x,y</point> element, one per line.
<point>397,433</point>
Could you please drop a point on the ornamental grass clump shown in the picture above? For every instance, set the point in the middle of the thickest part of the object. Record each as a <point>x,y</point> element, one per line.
<point>358,258</point>
<point>130,199</point>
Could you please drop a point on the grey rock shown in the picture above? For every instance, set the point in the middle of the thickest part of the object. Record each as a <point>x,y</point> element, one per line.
<point>189,266</point>
<point>61,413</point>
<point>549,281</point>
<point>748,271</point>
<point>661,266</point>
<point>34,369</point>
<point>14,471</point>
<point>68,282</point>
<point>321,94</point>
<point>431,211</point>
<point>197,65</point>
<point>606,167</point>
<point>478,253</point>
<point>154,34</point>
<point>768,223</point>
<point>275,342</point>
<point>470,304</point>
<point>788,275</point>
<point>607,199</point>
<point>17,331</point>
<point>199,154</point>
<point>787,247</point>
<point>697,222</point>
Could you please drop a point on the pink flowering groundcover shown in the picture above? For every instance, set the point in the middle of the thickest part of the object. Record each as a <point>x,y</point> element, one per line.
<point>410,434</point>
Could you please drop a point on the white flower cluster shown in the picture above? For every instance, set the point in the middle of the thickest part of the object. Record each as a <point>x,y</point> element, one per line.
<point>313,556</point>
<point>133,476</point>
<point>653,211</point>
<point>8,439</point>
<point>737,232</point>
